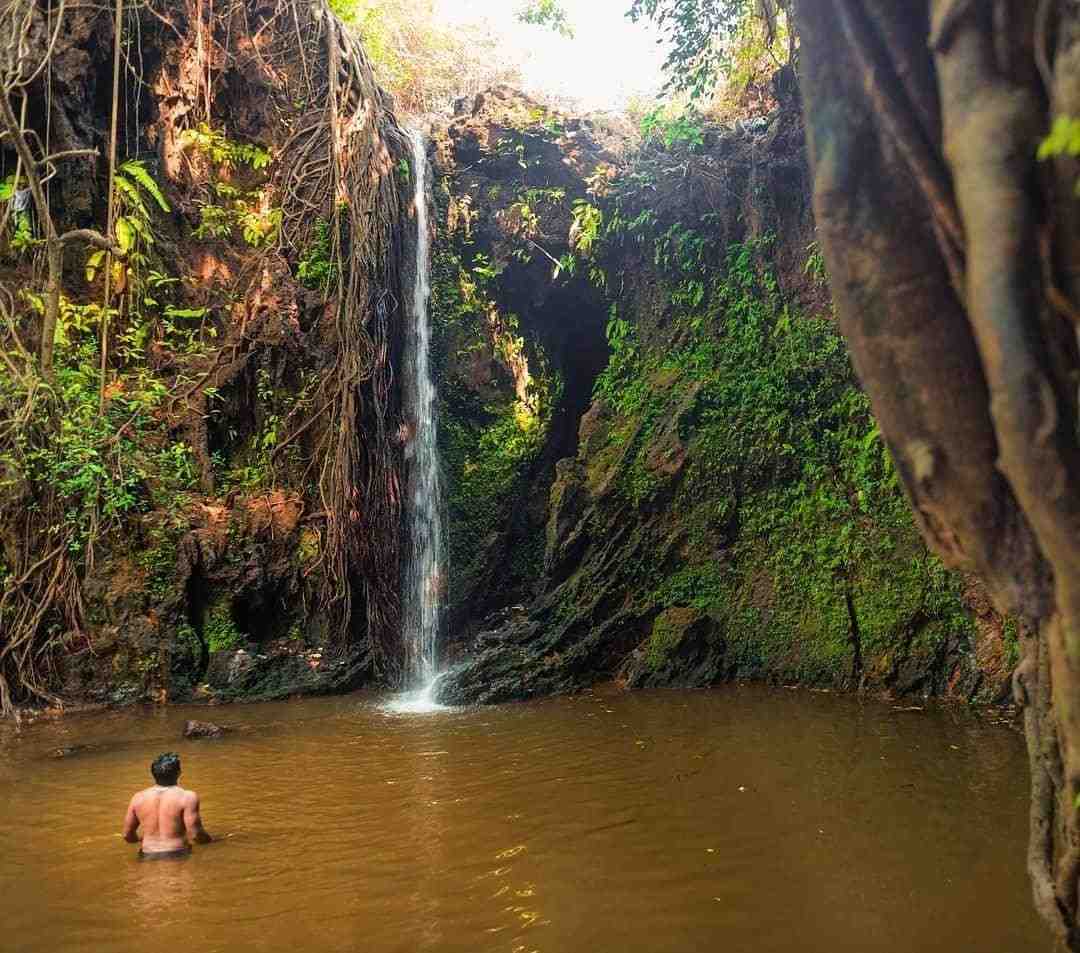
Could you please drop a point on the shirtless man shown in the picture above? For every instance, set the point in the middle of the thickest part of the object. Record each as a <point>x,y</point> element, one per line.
<point>167,814</point>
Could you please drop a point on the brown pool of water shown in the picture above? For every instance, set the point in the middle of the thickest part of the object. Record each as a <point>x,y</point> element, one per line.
<point>742,819</point>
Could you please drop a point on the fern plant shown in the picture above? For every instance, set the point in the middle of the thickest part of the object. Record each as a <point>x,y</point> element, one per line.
<point>221,150</point>
<point>134,228</point>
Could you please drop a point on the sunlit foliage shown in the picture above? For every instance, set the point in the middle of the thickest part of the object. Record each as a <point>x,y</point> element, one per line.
<point>424,63</point>
<point>546,13</point>
<point>733,43</point>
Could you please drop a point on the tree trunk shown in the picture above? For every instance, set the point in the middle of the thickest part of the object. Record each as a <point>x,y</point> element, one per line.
<point>948,249</point>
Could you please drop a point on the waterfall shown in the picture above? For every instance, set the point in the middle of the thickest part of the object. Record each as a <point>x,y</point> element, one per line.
<point>425,578</point>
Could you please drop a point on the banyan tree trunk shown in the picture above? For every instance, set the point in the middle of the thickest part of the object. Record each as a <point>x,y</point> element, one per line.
<point>954,256</point>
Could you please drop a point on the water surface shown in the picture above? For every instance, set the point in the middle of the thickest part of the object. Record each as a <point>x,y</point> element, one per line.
<point>737,820</point>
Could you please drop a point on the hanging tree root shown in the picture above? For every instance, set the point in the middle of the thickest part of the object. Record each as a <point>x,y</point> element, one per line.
<point>40,592</point>
<point>337,164</point>
<point>41,595</point>
<point>342,162</point>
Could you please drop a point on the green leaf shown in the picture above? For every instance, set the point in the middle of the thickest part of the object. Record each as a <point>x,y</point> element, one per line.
<point>130,194</point>
<point>546,13</point>
<point>93,263</point>
<point>138,172</point>
<point>140,225</point>
<point>1064,139</point>
<point>125,234</point>
<point>171,312</point>
<point>37,302</point>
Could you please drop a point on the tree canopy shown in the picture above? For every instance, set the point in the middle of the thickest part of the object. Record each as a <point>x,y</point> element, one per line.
<point>696,31</point>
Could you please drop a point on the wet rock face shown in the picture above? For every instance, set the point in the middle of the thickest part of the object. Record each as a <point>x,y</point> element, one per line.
<point>569,497</point>
<point>518,340</point>
<point>660,562</point>
<point>524,657</point>
<point>507,666</point>
<point>683,648</point>
<point>283,670</point>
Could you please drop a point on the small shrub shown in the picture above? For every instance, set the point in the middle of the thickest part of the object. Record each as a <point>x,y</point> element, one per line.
<point>219,630</point>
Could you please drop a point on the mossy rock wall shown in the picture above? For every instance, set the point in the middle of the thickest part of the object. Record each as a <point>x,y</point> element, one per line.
<point>518,340</point>
<point>730,509</point>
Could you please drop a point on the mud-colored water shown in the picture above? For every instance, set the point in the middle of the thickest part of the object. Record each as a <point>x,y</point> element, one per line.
<point>738,820</point>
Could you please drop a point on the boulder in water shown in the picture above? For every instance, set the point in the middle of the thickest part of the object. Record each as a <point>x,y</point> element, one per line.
<point>202,729</point>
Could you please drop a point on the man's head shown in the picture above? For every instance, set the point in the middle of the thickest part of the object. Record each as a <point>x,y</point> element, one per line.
<point>166,768</point>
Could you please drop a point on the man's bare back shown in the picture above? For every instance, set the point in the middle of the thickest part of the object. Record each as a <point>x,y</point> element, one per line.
<point>164,819</point>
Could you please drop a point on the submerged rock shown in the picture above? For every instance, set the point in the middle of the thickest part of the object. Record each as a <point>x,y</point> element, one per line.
<point>70,751</point>
<point>203,729</point>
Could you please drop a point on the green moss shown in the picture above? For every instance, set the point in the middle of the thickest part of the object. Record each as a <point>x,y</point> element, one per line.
<point>219,630</point>
<point>316,268</point>
<point>158,560</point>
<point>187,637</point>
<point>786,476</point>
<point>308,549</point>
<point>1010,635</point>
<point>490,432</point>
<point>485,458</point>
<point>667,634</point>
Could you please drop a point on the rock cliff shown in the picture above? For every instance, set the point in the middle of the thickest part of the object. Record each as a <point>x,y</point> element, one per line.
<point>715,500</point>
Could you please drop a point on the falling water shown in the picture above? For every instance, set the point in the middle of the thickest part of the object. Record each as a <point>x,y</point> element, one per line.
<point>425,567</point>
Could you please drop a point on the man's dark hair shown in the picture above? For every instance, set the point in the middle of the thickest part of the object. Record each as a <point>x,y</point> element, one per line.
<point>166,768</point>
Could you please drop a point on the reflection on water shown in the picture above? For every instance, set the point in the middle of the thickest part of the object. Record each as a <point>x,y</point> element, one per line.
<point>741,820</point>
<point>159,887</point>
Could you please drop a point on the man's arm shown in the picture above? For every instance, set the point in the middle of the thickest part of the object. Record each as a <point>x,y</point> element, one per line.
<point>131,824</point>
<point>193,820</point>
